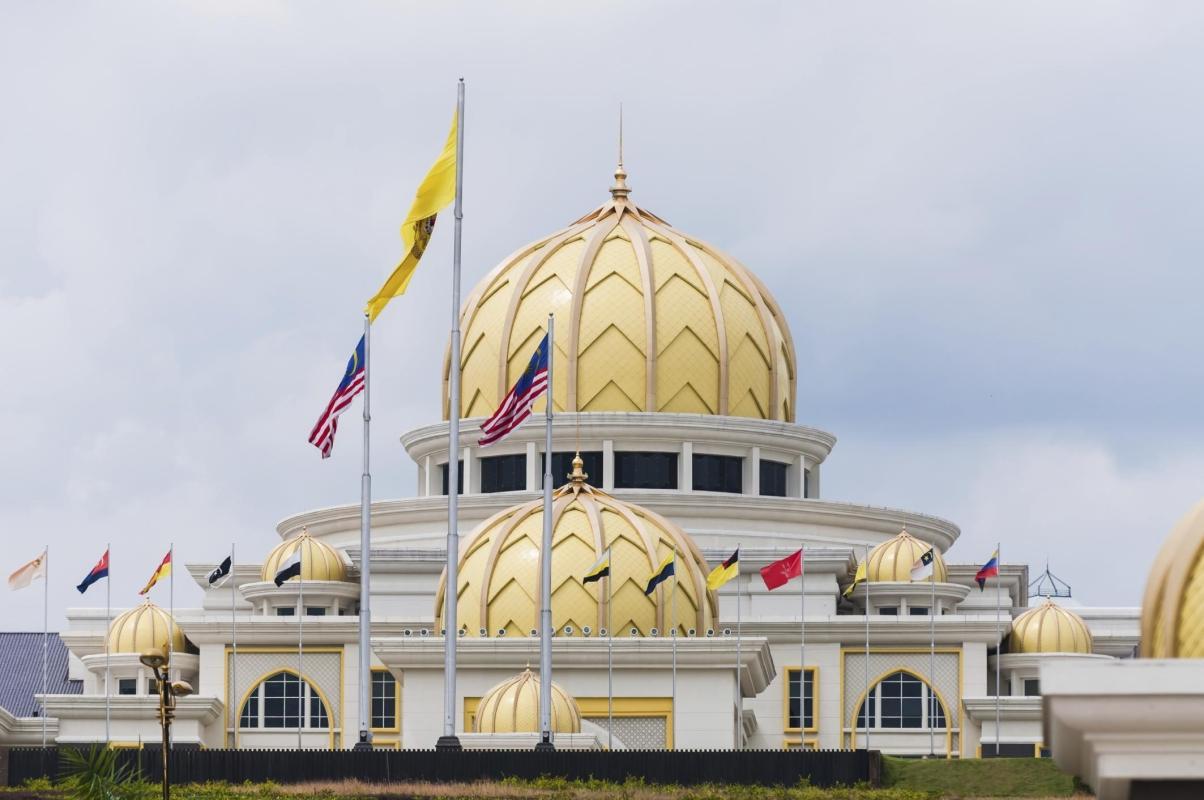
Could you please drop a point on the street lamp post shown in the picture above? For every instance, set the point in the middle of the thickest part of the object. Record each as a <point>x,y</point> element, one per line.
<point>169,690</point>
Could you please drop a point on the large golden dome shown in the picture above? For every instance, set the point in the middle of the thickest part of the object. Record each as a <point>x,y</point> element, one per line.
<point>319,561</point>
<point>1049,628</point>
<point>513,707</point>
<point>893,559</point>
<point>145,627</point>
<point>647,319</point>
<point>1172,615</point>
<point>500,562</point>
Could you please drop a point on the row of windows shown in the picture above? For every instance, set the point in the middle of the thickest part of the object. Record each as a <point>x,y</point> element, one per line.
<point>633,470</point>
<point>310,611</point>
<point>279,702</point>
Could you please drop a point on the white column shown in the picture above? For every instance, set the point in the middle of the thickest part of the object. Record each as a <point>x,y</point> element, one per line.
<point>752,472</point>
<point>608,465</point>
<point>469,486</point>
<point>424,486</point>
<point>685,470</point>
<point>799,487</point>
<point>534,473</point>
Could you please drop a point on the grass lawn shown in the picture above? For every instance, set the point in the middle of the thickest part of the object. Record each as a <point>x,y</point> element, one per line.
<point>903,780</point>
<point>988,777</point>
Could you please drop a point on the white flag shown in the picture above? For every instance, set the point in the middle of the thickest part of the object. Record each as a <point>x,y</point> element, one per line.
<point>26,574</point>
<point>922,569</point>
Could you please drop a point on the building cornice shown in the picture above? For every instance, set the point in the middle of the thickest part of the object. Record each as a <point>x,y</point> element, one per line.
<point>1011,708</point>
<point>140,707</point>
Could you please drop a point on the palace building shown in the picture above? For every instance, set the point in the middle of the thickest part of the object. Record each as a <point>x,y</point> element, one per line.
<point>677,430</point>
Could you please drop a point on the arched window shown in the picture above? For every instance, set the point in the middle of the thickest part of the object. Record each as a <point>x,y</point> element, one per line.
<point>278,702</point>
<point>901,700</point>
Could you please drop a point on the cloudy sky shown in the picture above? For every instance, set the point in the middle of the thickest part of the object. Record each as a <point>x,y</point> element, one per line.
<point>983,222</point>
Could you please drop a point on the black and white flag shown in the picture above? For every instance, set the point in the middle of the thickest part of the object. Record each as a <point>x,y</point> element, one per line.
<point>289,568</point>
<point>922,569</point>
<point>223,569</point>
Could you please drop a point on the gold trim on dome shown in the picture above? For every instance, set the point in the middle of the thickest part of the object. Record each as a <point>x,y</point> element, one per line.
<point>513,707</point>
<point>319,561</point>
<point>145,627</point>
<point>892,560</point>
<point>654,321</point>
<point>1172,616</point>
<point>1049,628</point>
<point>500,563</point>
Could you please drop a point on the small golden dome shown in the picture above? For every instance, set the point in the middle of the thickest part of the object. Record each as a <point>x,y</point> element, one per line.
<point>893,559</point>
<point>500,563</point>
<point>319,561</point>
<point>1049,628</point>
<point>647,319</point>
<point>145,627</point>
<point>513,707</point>
<point>1172,616</point>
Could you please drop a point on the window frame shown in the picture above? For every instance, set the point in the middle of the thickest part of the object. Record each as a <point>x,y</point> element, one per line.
<point>511,465</point>
<point>778,470</point>
<point>460,477</point>
<point>257,699</point>
<point>730,471</point>
<point>812,679</point>
<point>630,459</point>
<point>130,682</point>
<point>876,700</point>
<point>396,727</point>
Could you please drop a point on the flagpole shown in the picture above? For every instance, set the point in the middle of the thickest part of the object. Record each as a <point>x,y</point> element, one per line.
<point>234,641</point>
<point>108,617</point>
<point>365,615</point>
<point>171,589</point>
<point>866,702</point>
<point>545,563</point>
<point>610,655</point>
<point>300,639</point>
<point>46,635</point>
<point>999,638</point>
<point>802,670</point>
<point>739,704</point>
<point>449,741</point>
<point>673,634</point>
<point>932,663</point>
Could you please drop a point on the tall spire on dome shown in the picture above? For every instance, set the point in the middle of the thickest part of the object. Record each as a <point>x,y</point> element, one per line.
<point>620,189</point>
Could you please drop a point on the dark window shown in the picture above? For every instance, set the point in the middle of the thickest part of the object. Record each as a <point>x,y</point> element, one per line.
<point>646,470</point>
<point>718,473</point>
<point>286,611</point>
<point>314,611</point>
<point>792,723</point>
<point>152,687</point>
<point>459,477</point>
<point>806,483</point>
<point>127,686</point>
<point>898,701</point>
<point>773,478</point>
<point>1032,687</point>
<point>918,611</point>
<point>503,473</point>
<point>282,698</point>
<point>562,465</point>
<point>384,699</point>
<point>889,611</point>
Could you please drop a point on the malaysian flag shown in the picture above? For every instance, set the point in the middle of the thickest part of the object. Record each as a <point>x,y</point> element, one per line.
<point>516,406</point>
<point>322,436</point>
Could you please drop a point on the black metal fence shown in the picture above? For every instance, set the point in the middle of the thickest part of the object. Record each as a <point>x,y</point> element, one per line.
<point>683,767</point>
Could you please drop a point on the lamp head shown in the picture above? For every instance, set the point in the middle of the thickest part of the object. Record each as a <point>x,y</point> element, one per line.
<point>181,688</point>
<point>155,659</point>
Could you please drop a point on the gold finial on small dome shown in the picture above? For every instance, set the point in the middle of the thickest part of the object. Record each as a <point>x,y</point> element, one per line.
<point>578,476</point>
<point>620,190</point>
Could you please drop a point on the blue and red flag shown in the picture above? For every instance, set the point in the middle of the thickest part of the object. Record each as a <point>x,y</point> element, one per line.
<point>101,570</point>
<point>516,406</point>
<point>989,570</point>
<point>322,436</point>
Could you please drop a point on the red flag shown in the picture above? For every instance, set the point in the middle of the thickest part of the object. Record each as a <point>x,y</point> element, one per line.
<point>779,573</point>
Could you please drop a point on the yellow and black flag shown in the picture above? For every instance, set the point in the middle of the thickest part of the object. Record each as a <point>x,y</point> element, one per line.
<point>725,571</point>
<point>858,577</point>
<point>437,189</point>
<point>666,570</point>
<point>600,569</point>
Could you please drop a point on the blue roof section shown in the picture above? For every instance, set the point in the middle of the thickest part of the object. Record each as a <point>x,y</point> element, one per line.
<point>21,671</point>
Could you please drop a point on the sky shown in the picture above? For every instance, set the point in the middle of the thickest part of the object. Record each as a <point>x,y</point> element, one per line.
<point>981,220</point>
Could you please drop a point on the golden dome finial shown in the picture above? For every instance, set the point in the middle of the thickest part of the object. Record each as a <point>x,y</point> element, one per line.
<point>578,476</point>
<point>620,189</point>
